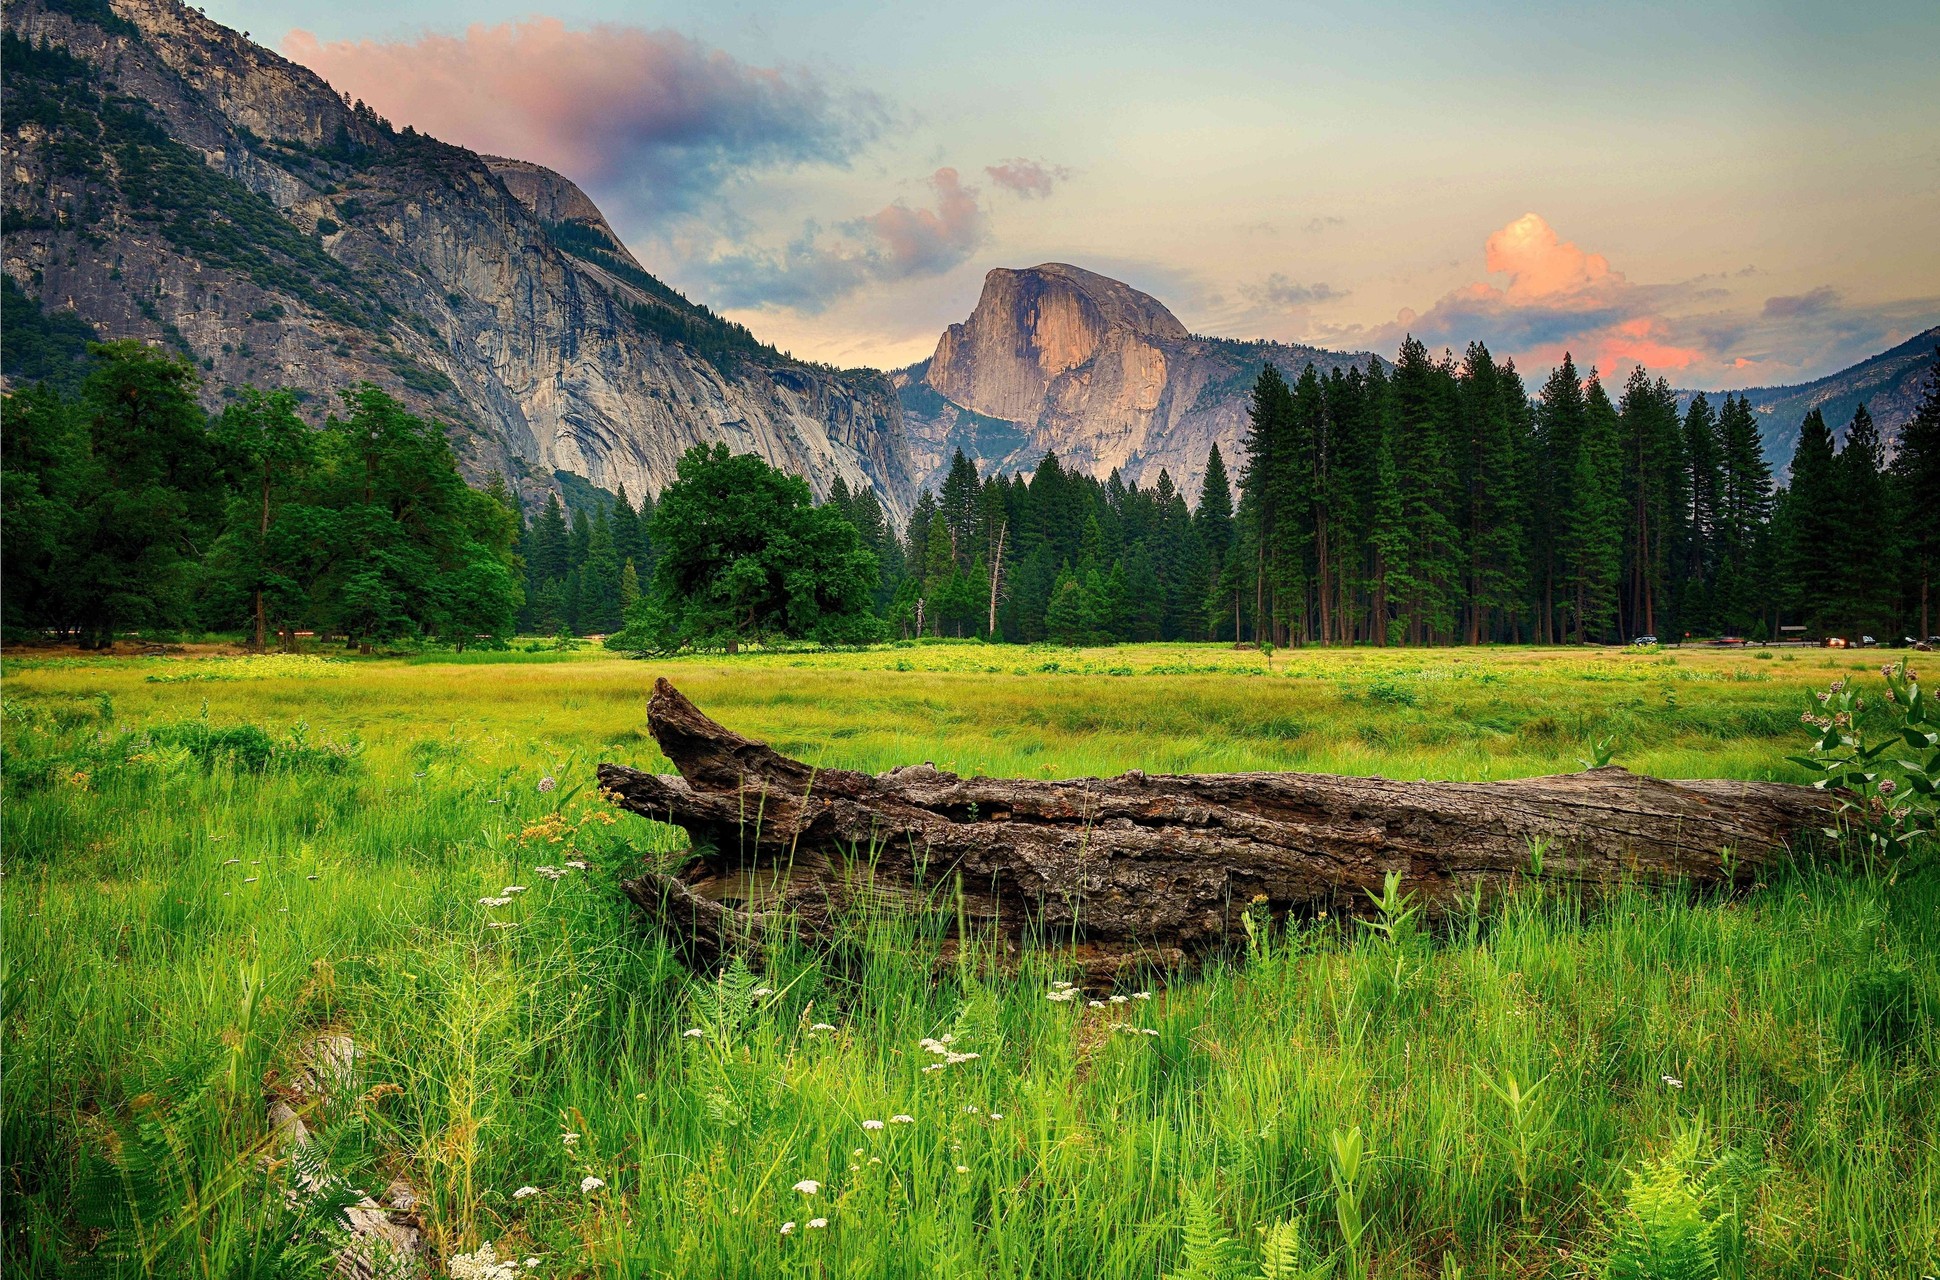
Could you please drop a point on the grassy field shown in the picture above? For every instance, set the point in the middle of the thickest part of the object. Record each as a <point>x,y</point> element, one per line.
<point>212,861</point>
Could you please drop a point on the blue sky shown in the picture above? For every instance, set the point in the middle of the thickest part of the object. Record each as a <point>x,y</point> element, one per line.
<point>1735,193</point>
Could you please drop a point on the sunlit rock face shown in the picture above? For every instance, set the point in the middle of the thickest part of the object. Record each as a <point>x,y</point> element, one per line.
<point>488,293</point>
<point>1056,358</point>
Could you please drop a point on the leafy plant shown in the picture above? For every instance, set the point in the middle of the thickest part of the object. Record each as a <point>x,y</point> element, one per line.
<point>1344,1152</point>
<point>1668,1229</point>
<point>1886,782</point>
<point>1525,1128</point>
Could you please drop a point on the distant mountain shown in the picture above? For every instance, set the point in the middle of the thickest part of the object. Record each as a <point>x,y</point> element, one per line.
<point>1890,384</point>
<point>169,180</point>
<point>1056,358</point>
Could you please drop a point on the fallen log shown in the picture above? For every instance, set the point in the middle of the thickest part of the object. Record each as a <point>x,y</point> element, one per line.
<point>1147,868</point>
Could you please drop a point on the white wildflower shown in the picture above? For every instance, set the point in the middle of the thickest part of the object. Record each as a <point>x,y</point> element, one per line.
<point>511,889</point>
<point>693,1033</point>
<point>500,924</point>
<point>955,1058</point>
<point>788,1228</point>
<point>525,1193</point>
<point>569,1139</point>
<point>875,1159</point>
<point>482,1265</point>
<point>531,1263</point>
<point>232,862</point>
<point>1095,1004</point>
<point>808,1186</point>
<point>590,1184</point>
<point>1673,1082</point>
<point>934,1066</point>
<point>494,902</point>
<point>576,864</point>
<point>996,1115</point>
<point>759,992</point>
<point>1147,1031</point>
<point>823,1026</point>
<point>816,1224</point>
<point>872,1125</point>
<point>902,1119</point>
<point>1121,999</point>
<point>963,1168</point>
<point>1141,995</point>
<point>1063,995</point>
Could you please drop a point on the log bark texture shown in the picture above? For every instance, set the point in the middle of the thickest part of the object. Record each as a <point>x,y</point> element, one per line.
<point>1152,868</point>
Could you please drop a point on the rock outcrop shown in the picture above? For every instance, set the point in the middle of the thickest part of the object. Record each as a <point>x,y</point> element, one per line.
<point>169,180</point>
<point>1056,358</point>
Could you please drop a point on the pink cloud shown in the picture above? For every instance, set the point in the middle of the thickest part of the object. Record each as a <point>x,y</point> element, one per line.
<point>1558,297</point>
<point>669,117</point>
<point>916,240</point>
<point>1541,264</point>
<point>898,242</point>
<point>1031,179</point>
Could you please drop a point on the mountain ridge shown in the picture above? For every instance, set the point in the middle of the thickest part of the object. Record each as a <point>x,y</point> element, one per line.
<point>173,182</point>
<point>1055,358</point>
<point>1889,383</point>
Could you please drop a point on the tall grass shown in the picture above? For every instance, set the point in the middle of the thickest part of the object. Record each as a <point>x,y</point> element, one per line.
<point>1740,1088</point>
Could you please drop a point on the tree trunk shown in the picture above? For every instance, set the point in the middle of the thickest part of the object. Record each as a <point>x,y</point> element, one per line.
<point>1142,868</point>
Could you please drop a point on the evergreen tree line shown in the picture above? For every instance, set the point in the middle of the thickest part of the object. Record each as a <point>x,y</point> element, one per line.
<point>583,574</point>
<point>1437,502</point>
<point>124,506</point>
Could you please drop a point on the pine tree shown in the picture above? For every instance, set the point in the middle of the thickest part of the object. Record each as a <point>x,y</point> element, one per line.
<point>1698,535</point>
<point>600,610</point>
<point>1811,560</point>
<point>1742,595</point>
<point>1867,598</point>
<point>1652,451</point>
<point>1916,478</point>
<point>1492,489</point>
<point>1561,421</point>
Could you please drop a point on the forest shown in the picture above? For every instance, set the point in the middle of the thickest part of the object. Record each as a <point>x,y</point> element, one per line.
<point>1434,501</point>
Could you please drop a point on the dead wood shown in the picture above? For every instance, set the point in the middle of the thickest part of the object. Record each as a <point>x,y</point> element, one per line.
<point>1145,867</point>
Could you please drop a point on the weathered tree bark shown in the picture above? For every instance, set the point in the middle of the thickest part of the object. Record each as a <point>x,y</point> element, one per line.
<point>1146,868</point>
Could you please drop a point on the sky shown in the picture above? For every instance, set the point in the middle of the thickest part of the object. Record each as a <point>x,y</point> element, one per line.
<point>1734,194</point>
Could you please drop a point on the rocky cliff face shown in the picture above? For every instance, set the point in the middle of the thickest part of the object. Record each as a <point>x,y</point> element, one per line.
<point>1056,358</point>
<point>1890,385</point>
<point>168,180</point>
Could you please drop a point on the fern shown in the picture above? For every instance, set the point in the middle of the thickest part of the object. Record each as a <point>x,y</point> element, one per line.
<point>1669,1227</point>
<point>1206,1252</point>
<point>1283,1254</point>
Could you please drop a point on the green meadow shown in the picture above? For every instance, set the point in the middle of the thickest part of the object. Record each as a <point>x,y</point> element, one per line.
<point>212,861</point>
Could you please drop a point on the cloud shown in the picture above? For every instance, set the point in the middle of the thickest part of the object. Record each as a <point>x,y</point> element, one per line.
<point>1280,293</point>
<point>1031,179</point>
<point>1552,296</point>
<point>654,118</point>
<point>1817,302</point>
<point>898,242</point>
<point>1557,297</point>
<point>1316,225</point>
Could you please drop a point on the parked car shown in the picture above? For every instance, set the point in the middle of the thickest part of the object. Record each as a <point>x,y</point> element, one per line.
<point>1835,642</point>
<point>1867,642</point>
<point>1644,642</point>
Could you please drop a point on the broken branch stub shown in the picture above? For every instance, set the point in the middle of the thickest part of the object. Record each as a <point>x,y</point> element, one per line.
<point>1146,867</point>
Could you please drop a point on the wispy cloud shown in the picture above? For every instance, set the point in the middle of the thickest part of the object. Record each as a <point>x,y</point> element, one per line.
<point>1031,179</point>
<point>898,242</point>
<point>1277,292</point>
<point>653,118</point>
